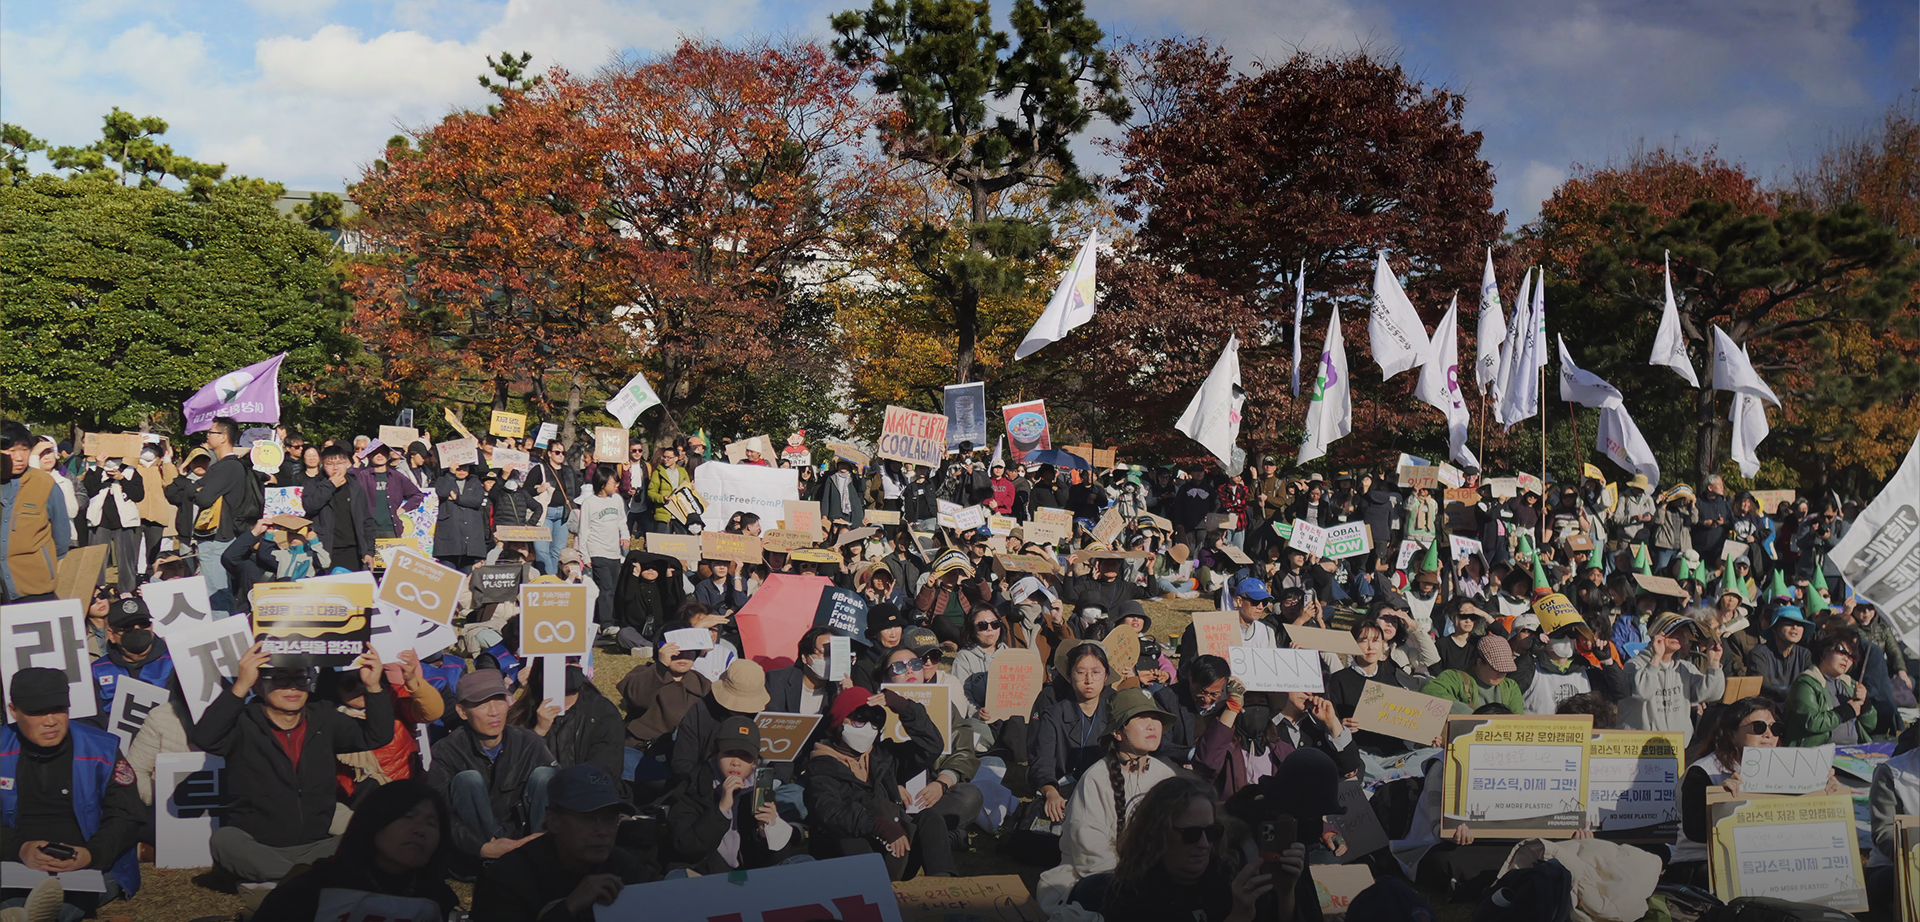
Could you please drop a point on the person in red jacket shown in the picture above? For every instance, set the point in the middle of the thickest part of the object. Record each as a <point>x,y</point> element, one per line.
<point>415,704</point>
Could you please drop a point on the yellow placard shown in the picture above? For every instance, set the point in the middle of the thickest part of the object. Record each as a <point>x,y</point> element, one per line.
<point>508,424</point>
<point>555,619</point>
<point>1516,777</point>
<point>1801,849</point>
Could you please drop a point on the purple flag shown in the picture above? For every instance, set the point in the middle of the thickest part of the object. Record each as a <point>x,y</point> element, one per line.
<point>251,394</point>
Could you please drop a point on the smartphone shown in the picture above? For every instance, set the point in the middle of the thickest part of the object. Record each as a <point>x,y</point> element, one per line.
<point>58,852</point>
<point>1274,835</point>
<point>762,789</point>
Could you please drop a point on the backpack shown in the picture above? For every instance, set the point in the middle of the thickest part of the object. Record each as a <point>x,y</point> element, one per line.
<point>1542,892</point>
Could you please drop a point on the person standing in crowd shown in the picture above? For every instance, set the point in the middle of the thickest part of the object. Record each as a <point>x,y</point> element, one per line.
<point>602,518</point>
<point>494,775</point>
<point>460,534</point>
<point>156,472</point>
<point>226,494</point>
<point>114,492</point>
<point>555,485</point>
<point>668,476</point>
<point>330,503</point>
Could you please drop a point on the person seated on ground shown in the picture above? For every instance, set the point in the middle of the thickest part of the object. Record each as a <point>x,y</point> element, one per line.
<point>494,775</point>
<point>1484,681</point>
<point>132,652</point>
<point>1409,646</point>
<point>415,704</point>
<point>1562,670</point>
<point>922,643</point>
<point>561,876</point>
<point>721,822</point>
<point>726,592</point>
<point>588,730</point>
<point>1204,711</point>
<point>1067,738</point>
<point>1173,863</point>
<point>392,861</point>
<point>856,790</point>
<point>885,626</point>
<point>1468,624</point>
<point>1895,792</point>
<point>986,636</point>
<point>1097,816</point>
<point>281,749</point>
<point>1782,656</point>
<point>66,786</point>
<point>648,594</point>
<point>1303,721</point>
<point>949,792</point>
<point>657,695</point>
<point>1665,685</point>
<point>1258,625</point>
<point>1825,704</point>
<point>1372,664</point>
<point>741,692</point>
<point>1449,862</point>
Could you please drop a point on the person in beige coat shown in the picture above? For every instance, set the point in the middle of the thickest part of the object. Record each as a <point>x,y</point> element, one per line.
<point>156,514</point>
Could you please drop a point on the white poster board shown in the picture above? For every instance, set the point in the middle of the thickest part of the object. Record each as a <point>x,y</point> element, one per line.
<point>193,788</point>
<point>838,888</point>
<point>731,488</point>
<point>132,701</point>
<point>51,635</point>
<point>1269,670</point>
<point>177,603</point>
<point>1349,539</point>
<point>206,653</point>
<point>1785,769</point>
<point>1308,538</point>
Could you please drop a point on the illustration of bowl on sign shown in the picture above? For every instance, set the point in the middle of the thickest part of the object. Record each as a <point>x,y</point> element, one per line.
<point>230,385</point>
<point>1025,429</point>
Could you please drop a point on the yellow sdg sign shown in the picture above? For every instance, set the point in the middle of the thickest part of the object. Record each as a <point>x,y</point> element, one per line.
<point>416,583</point>
<point>554,620</point>
<point>306,623</point>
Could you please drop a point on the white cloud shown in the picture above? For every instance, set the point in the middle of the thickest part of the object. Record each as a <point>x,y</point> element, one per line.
<point>291,9</point>
<point>335,61</point>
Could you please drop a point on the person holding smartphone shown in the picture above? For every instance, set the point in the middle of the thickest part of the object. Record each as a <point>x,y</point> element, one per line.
<point>724,816</point>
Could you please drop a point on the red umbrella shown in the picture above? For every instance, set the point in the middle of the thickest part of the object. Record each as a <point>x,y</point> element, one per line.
<point>773,621</point>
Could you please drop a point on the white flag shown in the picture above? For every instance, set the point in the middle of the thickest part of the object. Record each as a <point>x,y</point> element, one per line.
<point>1620,440</point>
<point>1399,339</point>
<point>1213,418</point>
<point>1521,399</point>
<point>1510,351</point>
<point>632,400</point>
<point>1879,556</point>
<point>1071,305</point>
<point>1299,306</point>
<point>1732,371</point>
<point>1492,329</point>
<point>1330,415</point>
<point>1670,343</point>
<point>1749,417</point>
<point>1583,387</point>
<point>1439,384</point>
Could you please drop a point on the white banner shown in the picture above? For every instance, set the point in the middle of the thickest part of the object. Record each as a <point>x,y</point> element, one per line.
<point>731,488</point>
<point>189,791</point>
<point>132,700</point>
<point>1880,554</point>
<point>177,603</point>
<point>204,653</point>
<point>51,635</point>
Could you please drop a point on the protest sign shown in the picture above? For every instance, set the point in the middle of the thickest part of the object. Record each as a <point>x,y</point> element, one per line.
<point>1027,429</point>
<point>1785,769</point>
<point>970,518</point>
<point>283,501</point>
<point>1317,638</point>
<point>1424,477</point>
<point>779,613</point>
<point>966,412</point>
<point>685,548</point>
<point>132,701</point>
<point>1767,502</point>
<point>525,534</point>
<point>399,436</point>
<point>421,585</point>
<point>802,515</point>
<point>121,446</point>
<point>848,452</point>
<point>1050,533</point>
<point>635,397</point>
<point>838,888</point>
<point>1556,611</point>
<point>555,619</point>
<point>496,583</point>
<point>177,603</point>
<point>1016,678</point>
<point>1002,898</point>
<point>1503,487</point>
<point>1002,524</point>
<point>784,735</point>
<point>1405,556</point>
<point>51,635</point>
<point>193,788</point>
<point>843,612</point>
<point>76,575</point>
<point>1633,784</point>
<point>610,445</point>
<point>1515,777</point>
<point>1267,670</point>
<point>1052,516</point>
<point>1308,538</point>
<point>1463,547</point>
<point>1448,475</point>
<point>454,421</point>
<point>1215,631</point>
<point>1906,860</point>
<point>1105,458</point>
<point>511,459</point>
<point>1123,650</point>
<point>1350,539</point>
<point>267,456</point>
<point>393,631</point>
<point>543,436</point>
<point>882,517</point>
<point>1083,452</point>
<point>1528,483</point>
<point>313,622</point>
<point>1335,885</point>
<point>206,652</point>
<point>1024,563</point>
<point>912,437</point>
<point>512,425</point>
<point>1108,528</point>
<point>1360,826</point>
<point>1465,497</point>
<point>1791,848</point>
<point>1739,687</point>
<point>932,697</point>
<point>1235,554</point>
<point>1660,585</point>
<point>946,513</point>
<point>731,488</point>
<point>784,540</point>
<point>690,639</point>
<point>715,545</point>
<point>458,452</point>
<point>1390,710</point>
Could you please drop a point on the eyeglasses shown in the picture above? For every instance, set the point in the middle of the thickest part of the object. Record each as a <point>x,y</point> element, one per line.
<point>1191,834</point>
<point>903,667</point>
<point>1761,728</point>
<point>986,626</point>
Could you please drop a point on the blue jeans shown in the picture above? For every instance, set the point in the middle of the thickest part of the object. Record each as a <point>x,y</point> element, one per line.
<point>549,551</point>
<point>467,795</point>
<point>219,589</point>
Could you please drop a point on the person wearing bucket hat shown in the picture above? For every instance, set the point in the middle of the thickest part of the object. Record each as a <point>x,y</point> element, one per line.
<point>722,819</point>
<point>740,692</point>
<point>1560,671</point>
<point>1782,656</point>
<point>1108,791</point>
<point>854,784</point>
<point>1664,684</point>
<point>1486,680</point>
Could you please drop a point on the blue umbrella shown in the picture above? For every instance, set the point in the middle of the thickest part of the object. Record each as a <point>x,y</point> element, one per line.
<point>1058,458</point>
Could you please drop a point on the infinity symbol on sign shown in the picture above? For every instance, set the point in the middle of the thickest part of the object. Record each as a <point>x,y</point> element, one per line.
<point>426,599</point>
<point>553,632</point>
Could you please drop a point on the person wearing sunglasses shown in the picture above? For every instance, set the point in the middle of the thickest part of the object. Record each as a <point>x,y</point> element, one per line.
<point>1174,863</point>
<point>985,637</point>
<point>1826,704</point>
<point>1748,723</point>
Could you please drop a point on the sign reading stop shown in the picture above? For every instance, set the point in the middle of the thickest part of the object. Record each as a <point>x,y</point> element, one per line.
<point>416,583</point>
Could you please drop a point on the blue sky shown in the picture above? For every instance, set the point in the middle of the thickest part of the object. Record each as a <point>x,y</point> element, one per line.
<point>305,91</point>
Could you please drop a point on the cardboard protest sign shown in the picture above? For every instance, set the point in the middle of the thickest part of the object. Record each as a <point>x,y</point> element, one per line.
<point>1556,611</point>
<point>1405,556</point>
<point>132,701</point>
<point>283,501</point>
<point>190,793</point>
<point>76,575</point>
<point>685,548</point>
<point>1503,487</point>
<point>610,445</point>
<point>399,436</point>
<point>839,888</point>
<point>731,488</point>
<point>1024,563</point>
<point>843,612</point>
<point>1349,539</point>
<point>1801,849</point>
<point>1014,681</point>
<point>512,425</point>
<point>177,603</point>
<point>783,736</point>
<point>555,619</point>
<point>1082,451</point>
<point>716,545</point>
<point>1448,475</point>
<point>1318,638</point>
<point>932,697</point>
<point>1123,650</point>
<point>1463,547</point>
<point>521,533</point>
<point>1424,477</point>
<point>1235,554</point>
<point>882,517</point>
<point>1785,769</point>
<point>1906,860</point>
<point>1660,585</point>
<point>458,452</point>
<point>421,585</point>
<point>1360,826</point>
<point>802,515</point>
<point>123,446</point>
<point>206,652</point>
<point>1528,483</point>
<point>1002,898</point>
<point>1516,777</point>
<point>1050,533</point>
<point>970,518</point>
<point>1308,538</point>
<point>778,614</point>
<point>1390,710</point>
<point>965,408</point>
<point>1268,670</point>
<point>1739,687</point>
<point>1633,784</point>
<point>511,459</point>
<point>454,421</point>
<point>51,635</point>
<point>1337,884</point>
<point>1215,631</point>
<point>912,437</point>
<point>783,540</point>
<point>849,452</point>
<point>1105,458</point>
<point>1768,501</point>
<point>1026,425</point>
<point>1465,497</point>
<point>313,622</point>
<point>544,436</point>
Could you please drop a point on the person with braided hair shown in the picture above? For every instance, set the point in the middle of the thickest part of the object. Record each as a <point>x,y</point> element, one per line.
<point>1110,789</point>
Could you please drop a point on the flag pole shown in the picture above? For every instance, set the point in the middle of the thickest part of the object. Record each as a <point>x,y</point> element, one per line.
<point>1543,435</point>
<point>1579,451</point>
<point>1483,426</point>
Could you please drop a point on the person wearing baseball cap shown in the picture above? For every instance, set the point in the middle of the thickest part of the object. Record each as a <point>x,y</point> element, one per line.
<point>1486,680</point>
<point>1665,684</point>
<point>854,781</point>
<point>132,652</point>
<point>493,773</point>
<point>740,692</point>
<point>722,820</point>
<point>577,865</point>
<point>66,785</point>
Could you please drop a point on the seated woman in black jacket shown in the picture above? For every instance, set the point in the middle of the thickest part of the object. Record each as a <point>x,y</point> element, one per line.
<point>393,857</point>
<point>591,731</point>
<point>1344,688</point>
<point>719,822</point>
<point>854,782</point>
<point>1068,733</point>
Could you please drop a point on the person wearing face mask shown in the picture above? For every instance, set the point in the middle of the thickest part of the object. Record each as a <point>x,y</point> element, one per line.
<point>133,652</point>
<point>513,504</point>
<point>392,862</point>
<point>155,473</point>
<point>35,531</point>
<point>113,515</point>
<point>1560,672</point>
<point>855,788</point>
<point>720,824</point>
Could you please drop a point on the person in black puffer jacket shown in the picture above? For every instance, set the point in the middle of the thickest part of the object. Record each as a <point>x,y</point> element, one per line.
<point>716,800</point>
<point>591,730</point>
<point>854,783</point>
<point>394,850</point>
